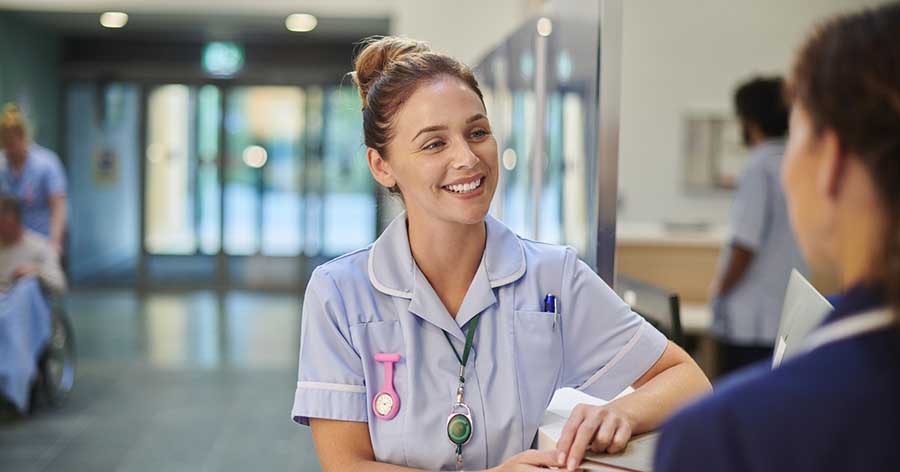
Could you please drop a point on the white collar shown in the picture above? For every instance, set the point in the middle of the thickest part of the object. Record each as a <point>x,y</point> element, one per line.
<point>393,271</point>
<point>850,326</point>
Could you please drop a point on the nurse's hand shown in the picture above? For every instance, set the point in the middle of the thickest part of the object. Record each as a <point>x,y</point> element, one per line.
<point>530,460</point>
<point>602,428</point>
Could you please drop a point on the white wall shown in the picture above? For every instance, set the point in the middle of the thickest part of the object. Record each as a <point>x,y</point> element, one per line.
<point>464,29</point>
<point>680,55</point>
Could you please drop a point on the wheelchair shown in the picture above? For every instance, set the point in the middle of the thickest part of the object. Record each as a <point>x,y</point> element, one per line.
<point>56,367</point>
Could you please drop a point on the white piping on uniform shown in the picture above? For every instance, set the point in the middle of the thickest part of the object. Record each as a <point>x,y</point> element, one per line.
<point>332,386</point>
<point>849,327</point>
<point>515,275</point>
<point>615,360</point>
<point>378,285</point>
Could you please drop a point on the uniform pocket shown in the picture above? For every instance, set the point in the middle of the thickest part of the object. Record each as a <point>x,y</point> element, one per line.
<point>538,357</point>
<point>370,339</point>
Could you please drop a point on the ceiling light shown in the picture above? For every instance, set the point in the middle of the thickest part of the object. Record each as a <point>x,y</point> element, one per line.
<point>114,19</point>
<point>301,22</point>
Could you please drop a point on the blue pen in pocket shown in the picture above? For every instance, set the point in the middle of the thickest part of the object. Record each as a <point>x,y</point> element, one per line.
<point>550,307</point>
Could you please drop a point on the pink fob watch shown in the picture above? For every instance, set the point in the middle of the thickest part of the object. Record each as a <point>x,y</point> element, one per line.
<point>386,403</point>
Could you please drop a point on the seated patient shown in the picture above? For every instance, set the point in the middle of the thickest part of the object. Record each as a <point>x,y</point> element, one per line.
<point>24,253</point>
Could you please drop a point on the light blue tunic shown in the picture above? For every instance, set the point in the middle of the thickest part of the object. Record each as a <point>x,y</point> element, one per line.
<point>41,178</point>
<point>750,313</point>
<point>377,300</point>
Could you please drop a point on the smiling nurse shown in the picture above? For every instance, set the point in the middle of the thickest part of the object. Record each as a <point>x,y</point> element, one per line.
<point>432,349</point>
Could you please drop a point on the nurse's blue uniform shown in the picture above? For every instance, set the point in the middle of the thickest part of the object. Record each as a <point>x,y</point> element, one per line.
<point>836,408</point>
<point>376,300</point>
<point>41,178</point>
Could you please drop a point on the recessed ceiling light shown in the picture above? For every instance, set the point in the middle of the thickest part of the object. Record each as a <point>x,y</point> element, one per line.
<point>114,19</point>
<point>301,22</point>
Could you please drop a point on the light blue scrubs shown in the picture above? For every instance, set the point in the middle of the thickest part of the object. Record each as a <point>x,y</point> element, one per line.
<point>41,178</point>
<point>377,300</point>
<point>750,312</point>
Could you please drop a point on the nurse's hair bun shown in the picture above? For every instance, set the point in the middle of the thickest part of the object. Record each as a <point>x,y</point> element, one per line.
<point>378,56</point>
<point>388,71</point>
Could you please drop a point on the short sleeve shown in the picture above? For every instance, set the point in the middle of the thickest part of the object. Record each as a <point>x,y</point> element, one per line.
<point>56,177</point>
<point>607,346</point>
<point>748,216</point>
<point>330,383</point>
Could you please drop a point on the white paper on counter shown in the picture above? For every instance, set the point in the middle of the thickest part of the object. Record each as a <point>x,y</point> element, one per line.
<point>637,456</point>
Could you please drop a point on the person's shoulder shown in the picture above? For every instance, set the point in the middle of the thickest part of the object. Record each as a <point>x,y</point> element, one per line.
<point>717,432</point>
<point>783,411</point>
<point>539,252</point>
<point>347,268</point>
<point>797,390</point>
<point>44,157</point>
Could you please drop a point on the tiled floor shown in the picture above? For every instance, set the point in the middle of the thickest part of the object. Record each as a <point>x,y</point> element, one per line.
<point>172,382</point>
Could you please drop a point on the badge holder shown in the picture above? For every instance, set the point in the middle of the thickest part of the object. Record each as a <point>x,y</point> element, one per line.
<point>386,403</point>
<point>459,424</point>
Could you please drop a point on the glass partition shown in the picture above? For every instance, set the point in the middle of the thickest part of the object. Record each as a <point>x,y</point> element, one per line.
<point>542,92</point>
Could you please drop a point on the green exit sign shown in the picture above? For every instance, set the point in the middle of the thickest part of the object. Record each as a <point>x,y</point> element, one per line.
<point>223,59</point>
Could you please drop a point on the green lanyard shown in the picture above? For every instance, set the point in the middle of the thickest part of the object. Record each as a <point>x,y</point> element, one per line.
<point>470,336</point>
<point>459,422</point>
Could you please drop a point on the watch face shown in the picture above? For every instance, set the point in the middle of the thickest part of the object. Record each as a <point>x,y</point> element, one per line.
<point>383,404</point>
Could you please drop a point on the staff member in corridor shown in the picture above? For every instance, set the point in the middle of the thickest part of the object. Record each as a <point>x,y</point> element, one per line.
<point>836,408</point>
<point>35,176</point>
<point>440,345</point>
<point>749,290</point>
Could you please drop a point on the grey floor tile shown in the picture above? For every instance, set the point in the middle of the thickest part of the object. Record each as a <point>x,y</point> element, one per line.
<point>190,381</point>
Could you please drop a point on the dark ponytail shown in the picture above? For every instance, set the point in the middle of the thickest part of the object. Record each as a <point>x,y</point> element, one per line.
<point>847,77</point>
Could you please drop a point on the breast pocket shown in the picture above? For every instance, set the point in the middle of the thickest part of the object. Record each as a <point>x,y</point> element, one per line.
<point>538,347</point>
<point>371,339</point>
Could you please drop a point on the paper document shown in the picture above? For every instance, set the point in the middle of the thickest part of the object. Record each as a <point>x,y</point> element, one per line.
<point>637,457</point>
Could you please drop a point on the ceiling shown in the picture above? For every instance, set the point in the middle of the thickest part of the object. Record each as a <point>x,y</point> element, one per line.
<point>342,8</point>
<point>205,19</point>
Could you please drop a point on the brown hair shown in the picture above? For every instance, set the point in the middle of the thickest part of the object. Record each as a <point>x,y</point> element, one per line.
<point>388,71</point>
<point>847,77</point>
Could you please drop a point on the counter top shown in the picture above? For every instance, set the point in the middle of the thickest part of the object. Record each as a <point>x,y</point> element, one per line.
<point>658,233</point>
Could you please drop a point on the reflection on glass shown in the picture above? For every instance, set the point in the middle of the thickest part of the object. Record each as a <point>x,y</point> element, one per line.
<point>568,126</point>
<point>576,202</point>
<point>169,200</point>
<point>518,179</point>
<point>551,196</point>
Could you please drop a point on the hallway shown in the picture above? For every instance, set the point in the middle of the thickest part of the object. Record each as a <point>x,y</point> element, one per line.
<point>172,381</point>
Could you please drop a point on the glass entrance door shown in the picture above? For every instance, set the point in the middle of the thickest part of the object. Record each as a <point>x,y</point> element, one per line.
<point>252,185</point>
